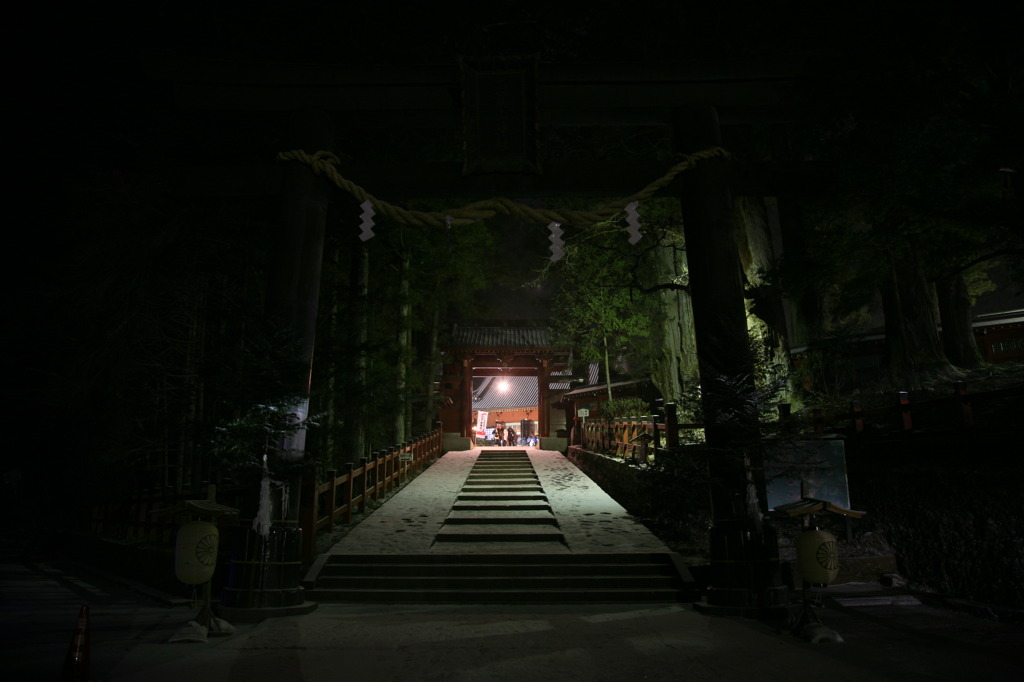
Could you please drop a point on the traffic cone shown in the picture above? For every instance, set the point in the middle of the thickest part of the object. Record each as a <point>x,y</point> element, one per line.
<point>76,664</point>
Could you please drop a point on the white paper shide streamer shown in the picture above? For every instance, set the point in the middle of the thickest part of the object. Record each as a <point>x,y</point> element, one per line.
<point>556,241</point>
<point>366,226</point>
<point>633,221</point>
<point>261,524</point>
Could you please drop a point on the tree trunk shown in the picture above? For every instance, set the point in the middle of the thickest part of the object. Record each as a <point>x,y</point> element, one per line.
<point>673,347</point>
<point>433,363</point>
<point>913,347</point>
<point>607,368</point>
<point>332,398</point>
<point>402,341</point>
<point>758,255</point>
<point>957,329</point>
<point>194,383</point>
<point>355,423</point>
<point>805,310</point>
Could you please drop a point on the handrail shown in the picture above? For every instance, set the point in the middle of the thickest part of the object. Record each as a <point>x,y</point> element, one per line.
<point>636,438</point>
<point>341,495</point>
<point>640,438</point>
<point>322,504</point>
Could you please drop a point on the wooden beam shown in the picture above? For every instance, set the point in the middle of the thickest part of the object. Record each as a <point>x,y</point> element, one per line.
<point>577,94</point>
<point>516,372</point>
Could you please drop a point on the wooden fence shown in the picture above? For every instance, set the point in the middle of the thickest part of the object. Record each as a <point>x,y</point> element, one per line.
<point>341,495</point>
<point>637,438</point>
<point>958,410</point>
<point>146,516</point>
<point>640,438</point>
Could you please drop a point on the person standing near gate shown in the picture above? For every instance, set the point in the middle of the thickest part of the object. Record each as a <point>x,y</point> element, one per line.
<point>511,436</point>
<point>499,433</point>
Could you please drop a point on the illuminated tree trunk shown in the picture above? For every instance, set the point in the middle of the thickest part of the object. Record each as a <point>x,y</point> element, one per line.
<point>766,314</point>
<point>674,349</point>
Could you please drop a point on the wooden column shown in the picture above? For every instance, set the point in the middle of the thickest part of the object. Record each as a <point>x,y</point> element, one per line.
<point>466,409</point>
<point>543,408</point>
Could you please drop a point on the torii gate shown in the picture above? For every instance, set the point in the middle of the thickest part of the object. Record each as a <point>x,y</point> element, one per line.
<point>691,100</point>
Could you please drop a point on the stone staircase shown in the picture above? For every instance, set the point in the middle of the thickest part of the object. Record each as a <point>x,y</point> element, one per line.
<point>499,578</point>
<point>502,501</point>
<point>512,551</point>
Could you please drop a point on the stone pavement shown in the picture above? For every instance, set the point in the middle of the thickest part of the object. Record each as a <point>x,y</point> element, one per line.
<point>590,520</point>
<point>889,634</point>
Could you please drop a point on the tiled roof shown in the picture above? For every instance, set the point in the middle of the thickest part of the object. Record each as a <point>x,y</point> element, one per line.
<point>597,389</point>
<point>502,337</point>
<point>521,392</point>
<point>593,377</point>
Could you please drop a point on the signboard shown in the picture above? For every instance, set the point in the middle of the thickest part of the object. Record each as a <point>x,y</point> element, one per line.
<point>821,463</point>
<point>583,412</point>
<point>481,424</point>
<point>405,457</point>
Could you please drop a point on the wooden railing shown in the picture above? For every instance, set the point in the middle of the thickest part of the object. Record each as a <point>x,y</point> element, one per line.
<point>637,438</point>
<point>957,410</point>
<point>640,438</point>
<point>138,518</point>
<point>343,494</point>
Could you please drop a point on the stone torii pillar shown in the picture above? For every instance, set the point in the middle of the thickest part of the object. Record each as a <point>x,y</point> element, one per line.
<point>268,581</point>
<point>297,247</point>
<point>745,572</point>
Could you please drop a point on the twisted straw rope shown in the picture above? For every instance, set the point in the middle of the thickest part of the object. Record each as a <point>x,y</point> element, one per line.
<point>324,162</point>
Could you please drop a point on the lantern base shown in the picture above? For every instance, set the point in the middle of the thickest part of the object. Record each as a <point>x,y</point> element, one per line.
<point>818,633</point>
<point>766,604</point>
<point>808,625</point>
<point>257,614</point>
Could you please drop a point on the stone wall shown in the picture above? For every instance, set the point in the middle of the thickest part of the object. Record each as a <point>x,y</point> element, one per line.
<point>670,500</point>
<point>621,481</point>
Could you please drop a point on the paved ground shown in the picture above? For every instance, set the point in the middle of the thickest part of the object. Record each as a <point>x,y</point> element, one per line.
<point>888,634</point>
<point>590,520</point>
